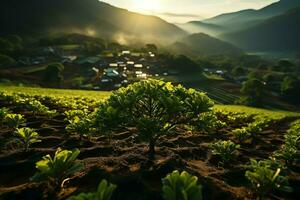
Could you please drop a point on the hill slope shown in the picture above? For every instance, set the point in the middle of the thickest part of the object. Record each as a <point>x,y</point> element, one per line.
<point>247,18</point>
<point>201,27</point>
<point>93,17</point>
<point>201,44</point>
<point>280,33</point>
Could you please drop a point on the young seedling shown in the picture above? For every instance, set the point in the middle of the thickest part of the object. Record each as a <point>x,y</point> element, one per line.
<point>27,136</point>
<point>241,135</point>
<point>3,113</point>
<point>14,120</point>
<point>104,192</point>
<point>265,177</point>
<point>181,186</point>
<point>55,170</point>
<point>225,149</point>
<point>208,122</point>
<point>79,126</point>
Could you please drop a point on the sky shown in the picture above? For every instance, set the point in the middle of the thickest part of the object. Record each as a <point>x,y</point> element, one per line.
<point>180,11</point>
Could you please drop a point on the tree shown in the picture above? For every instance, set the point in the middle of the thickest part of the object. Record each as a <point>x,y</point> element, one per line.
<point>6,61</point>
<point>290,89</point>
<point>254,91</point>
<point>238,71</point>
<point>153,107</point>
<point>151,48</point>
<point>53,74</point>
<point>183,64</point>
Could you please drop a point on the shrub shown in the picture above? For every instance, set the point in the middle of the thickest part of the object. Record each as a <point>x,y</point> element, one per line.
<point>181,186</point>
<point>266,177</point>
<point>14,120</point>
<point>104,192</point>
<point>27,136</point>
<point>225,149</point>
<point>57,169</point>
<point>154,107</point>
<point>241,134</point>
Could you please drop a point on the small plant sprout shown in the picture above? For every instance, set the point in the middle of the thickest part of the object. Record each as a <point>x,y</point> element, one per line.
<point>241,135</point>
<point>266,177</point>
<point>3,113</point>
<point>27,136</point>
<point>225,149</point>
<point>57,169</point>
<point>181,186</point>
<point>14,120</point>
<point>104,192</point>
<point>79,126</point>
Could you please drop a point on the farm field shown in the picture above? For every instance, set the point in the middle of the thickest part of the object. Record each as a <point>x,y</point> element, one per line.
<point>217,148</point>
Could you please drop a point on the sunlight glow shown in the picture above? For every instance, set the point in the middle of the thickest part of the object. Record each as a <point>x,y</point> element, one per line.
<point>146,5</point>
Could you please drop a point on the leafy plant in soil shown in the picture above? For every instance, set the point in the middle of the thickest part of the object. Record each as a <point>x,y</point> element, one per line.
<point>153,107</point>
<point>181,186</point>
<point>265,177</point>
<point>27,136</point>
<point>104,192</point>
<point>225,149</point>
<point>72,114</point>
<point>290,151</point>
<point>55,170</point>
<point>14,120</point>
<point>208,122</point>
<point>241,134</point>
<point>3,113</point>
<point>258,126</point>
<point>79,126</point>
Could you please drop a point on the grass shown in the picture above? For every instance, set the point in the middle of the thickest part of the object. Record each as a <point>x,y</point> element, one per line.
<point>103,94</point>
<point>55,92</point>
<point>271,113</point>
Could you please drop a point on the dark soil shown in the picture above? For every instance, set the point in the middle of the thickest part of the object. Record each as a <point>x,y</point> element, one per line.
<point>124,161</point>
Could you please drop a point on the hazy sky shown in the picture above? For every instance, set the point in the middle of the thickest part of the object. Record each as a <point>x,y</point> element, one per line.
<point>186,10</point>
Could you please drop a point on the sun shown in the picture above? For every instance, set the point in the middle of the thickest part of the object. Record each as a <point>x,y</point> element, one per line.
<point>146,5</point>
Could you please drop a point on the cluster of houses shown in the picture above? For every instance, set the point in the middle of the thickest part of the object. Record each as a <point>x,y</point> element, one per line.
<point>106,71</point>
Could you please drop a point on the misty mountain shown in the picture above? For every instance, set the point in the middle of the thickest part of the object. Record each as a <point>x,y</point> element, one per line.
<point>201,27</point>
<point>280,33</point>
<point>201,44</point>
<point>91,17</point>
<point>247,18</point>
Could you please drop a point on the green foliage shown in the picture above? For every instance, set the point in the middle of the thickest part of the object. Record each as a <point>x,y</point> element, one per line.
<point>208,122</point>
<point>3,113</point>
<point>153,107</point>
<point>14,120</point>
<point>181,186</point>
<point>290,89</point>
<point>72,114</point>
<point>290,151</point>
<point>80,126</point>
<point>38,108</point>
<point>258,125</point>
<point>265,176</point>
<point>225,149</point>
<point>27,136</point>
<point>241,134</point>
<point>104,192</point>
<point>54,74</point>
<point>254,91</point>
<point>57,169</point>
<point>6,61</point>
